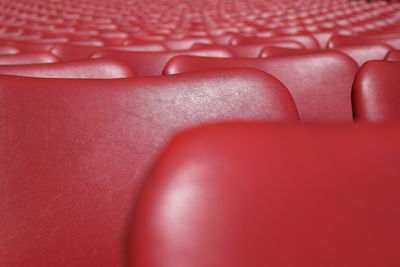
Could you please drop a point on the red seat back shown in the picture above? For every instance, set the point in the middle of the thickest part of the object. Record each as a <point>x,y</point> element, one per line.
<point>265,195</point>
<point>376,92</point>
<point>311,78</point>
<point>76,151</point>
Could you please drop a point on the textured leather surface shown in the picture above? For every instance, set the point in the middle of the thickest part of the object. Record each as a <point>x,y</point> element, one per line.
<point>393,55</point>
<point>376,92</point>
<point>93,68</point>
<point>283,51</point>
<point>265,195</point>
<point>74,153</point>
<point>250,50</point>
<point>311,78</point>
<point>305,39</point>
<point>28,58</point>
<point>8,50</point>
<point>152,63</point>
<point>364,53</point>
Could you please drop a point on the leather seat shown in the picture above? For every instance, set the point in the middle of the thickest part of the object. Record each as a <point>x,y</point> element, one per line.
<point>311,78</point>
<point>152,63</point>
<point>76,152</point>
<point>93,68</point>
<point>393,55</point>
<point>28,58</point>
<point>266,195</point>
<point>364,53</point>
<point>375,93</point>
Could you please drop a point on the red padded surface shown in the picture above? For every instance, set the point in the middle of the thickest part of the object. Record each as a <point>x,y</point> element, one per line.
<point>28,58</point>
<point>364,53</point>
<point>152,63</point>
<point>376,92</point>
<point>75,152</point>
<point>266,195</point>
<point>92,68</point>
<point>393,55</point>
<point>312,79</point>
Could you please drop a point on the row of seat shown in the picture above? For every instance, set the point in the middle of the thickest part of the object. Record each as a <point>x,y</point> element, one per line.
<point>91,92</point>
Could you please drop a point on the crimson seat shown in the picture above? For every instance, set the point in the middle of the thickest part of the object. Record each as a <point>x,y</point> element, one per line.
<point>266,195</point>
<point>393,55</point>
<point>311,78</point>
<point>376,92</point>
<point>273,51</point>
<point>103,68</point>
<point>305,39</point>
<point>366,52</point>
<point>76,151</point>
<point>28,58</point>
<point>152,63</point>
<point>250,50</point>
<point>8,50</point>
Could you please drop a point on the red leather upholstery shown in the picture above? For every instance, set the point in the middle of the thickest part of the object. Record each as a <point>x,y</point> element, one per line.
<point>75,152</point>
<point>93,68</point>
<point>251,50</point>
<point>266,195</point>
<point>282,51</point>
<point>364,53</point>
<point>152,63</point>
<point>393,55</point>
<point>28,58</point>
<point>311,78</point>
<point>8,50</point>
<point>307,40</point>
<point>376,92</point>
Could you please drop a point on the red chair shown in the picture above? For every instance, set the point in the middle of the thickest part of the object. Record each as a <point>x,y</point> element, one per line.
<point>305,39</point>
<point>376,92</point>
<point>312,79</point>
<point>364,53</point>
<point>8,50</point>
<point>152,63</point>
<point>28,58</point>
<point>273,51</point>
<point>250,50</point>
<point>266,195</point>
<point>393,55</point>
<point>102,68</point>
<point>75,152</point>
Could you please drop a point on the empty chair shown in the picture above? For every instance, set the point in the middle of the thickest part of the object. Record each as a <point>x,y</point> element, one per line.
<point>152,63</point>
<point>28,58</point>
<point>274,51</point>
<point>250,50</point>
<point>393,55</point>
<point>319,82</point>
<point>26,46</point>
<point>376,92</point>
<point>76,151</point>
<point>103,68</point>
<point>364,53</point>
<point>71,52</point>
<point>265,195</point>
<point>392,40</point>
<point>305,39</point>
<point>8,50</point>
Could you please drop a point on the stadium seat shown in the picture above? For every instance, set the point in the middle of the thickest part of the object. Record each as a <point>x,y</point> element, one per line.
<point>266,195</point>
<point>273,51</point>
<point>152,63</point>
<point>375,94</point>
<point>250,50</point>
<point>28,58</point>
<point>364,53</point>
<point>307,40</point>
<point>102,68</point>
<point>76,152</point>
<point>311,78</point>
<point>393,55</point>
<point>8,50</point>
